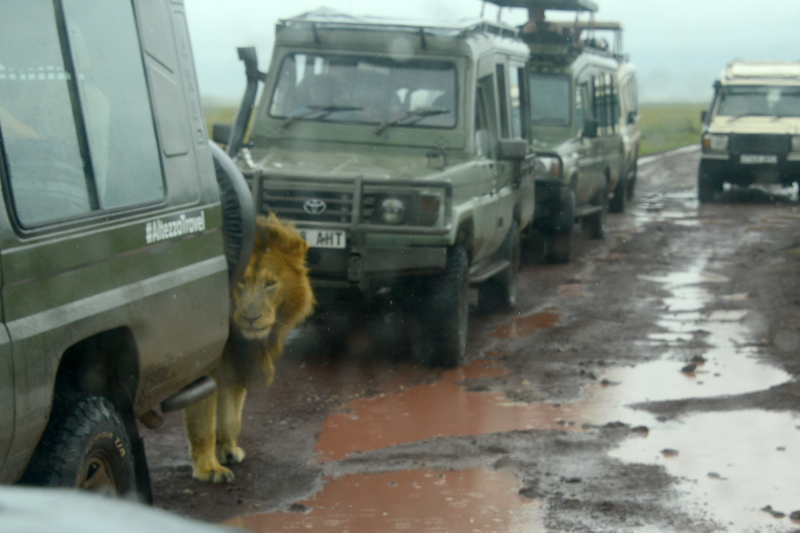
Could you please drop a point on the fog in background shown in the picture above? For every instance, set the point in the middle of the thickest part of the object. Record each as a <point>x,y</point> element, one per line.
<point>678,46</point>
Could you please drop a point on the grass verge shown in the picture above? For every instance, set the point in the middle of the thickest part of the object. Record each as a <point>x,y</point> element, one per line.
<point>669,126</point>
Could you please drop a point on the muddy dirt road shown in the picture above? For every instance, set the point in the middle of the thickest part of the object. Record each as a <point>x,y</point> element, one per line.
<point>649,385</point>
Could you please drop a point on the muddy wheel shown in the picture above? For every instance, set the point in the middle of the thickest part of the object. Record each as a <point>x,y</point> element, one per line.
<point>708,184</point>
<point>500,292</point>
<point>595,224</point>
<point>84,446</point>
<point>444,313</point>
<point>620,199</point>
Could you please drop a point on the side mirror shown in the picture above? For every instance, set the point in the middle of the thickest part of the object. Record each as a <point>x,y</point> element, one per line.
<point>703,116</point>
<point>482,143</point>
<point>221,132</point>
<point>512,149</point>
<point>632,117</point>
<point>590,127</point>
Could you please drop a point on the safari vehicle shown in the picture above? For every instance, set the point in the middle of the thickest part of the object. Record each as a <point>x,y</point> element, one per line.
<point>115,279</point>
<point>399,151</point>
<point>751,132</point>
<point>575,124</point>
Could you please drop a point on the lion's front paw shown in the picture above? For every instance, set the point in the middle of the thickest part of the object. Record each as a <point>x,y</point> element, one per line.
<point>217,474</point>
<point>230,455</point>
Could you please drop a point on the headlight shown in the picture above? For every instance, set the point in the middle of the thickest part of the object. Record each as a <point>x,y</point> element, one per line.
<point>717,143</point>
<point>392,210</point>
<point>795,144</point>
<point>547,167</point>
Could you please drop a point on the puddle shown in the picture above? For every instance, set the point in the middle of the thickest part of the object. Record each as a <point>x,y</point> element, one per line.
<point>735,464</point>
<point>526,326</point>
<point>730,465</point>
<point>441,409</point>
<point>417,500</point>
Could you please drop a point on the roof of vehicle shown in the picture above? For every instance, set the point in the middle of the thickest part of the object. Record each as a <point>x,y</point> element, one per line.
<point>558,5</point>
<point>748,71</point>
<point>326,18</point>
<point>334,30</point>
<point>590,25</point>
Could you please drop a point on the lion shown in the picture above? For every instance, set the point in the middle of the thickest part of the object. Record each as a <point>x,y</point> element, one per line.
<point>273,296</point>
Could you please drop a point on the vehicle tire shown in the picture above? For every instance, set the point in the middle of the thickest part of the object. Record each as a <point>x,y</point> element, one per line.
<point>708,184</point>
<point>620,199</point>
<point>238,214</point>
<point>84,446</point>
<point>595,224</point>
<point>631,181</point>
<point>444,313</point>
<point>500,292</point>
<point>558,247</point>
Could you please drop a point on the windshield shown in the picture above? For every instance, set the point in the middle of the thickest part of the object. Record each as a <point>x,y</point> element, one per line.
<point>364,90</point>
<point>759,101</point>
<point>550,102</point>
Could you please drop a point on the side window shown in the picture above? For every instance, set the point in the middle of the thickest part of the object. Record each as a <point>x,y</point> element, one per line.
<point>487,95</point>
<point>75,121</point>
<point>502,100</point>
<point>515,89</point>
<point>115,103</point>
<point>615,107</point>
<point>40,139</point>
<point>482,137</point>
<point>580,116</point>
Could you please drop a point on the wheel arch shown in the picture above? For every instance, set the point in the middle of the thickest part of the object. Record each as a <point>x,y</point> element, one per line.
<point>104,364</point>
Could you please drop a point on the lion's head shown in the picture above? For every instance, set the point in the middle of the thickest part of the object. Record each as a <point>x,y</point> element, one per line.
<point>274,293</point>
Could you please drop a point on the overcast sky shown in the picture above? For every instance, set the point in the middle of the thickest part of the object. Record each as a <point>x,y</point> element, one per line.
<point>678,46</point>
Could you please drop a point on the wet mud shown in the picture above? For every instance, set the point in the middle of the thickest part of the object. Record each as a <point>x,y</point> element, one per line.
<point>648,385</point>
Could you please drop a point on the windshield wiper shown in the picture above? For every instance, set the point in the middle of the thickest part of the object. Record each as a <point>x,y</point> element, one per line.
<point>323,110</point>
<point>419,114</point>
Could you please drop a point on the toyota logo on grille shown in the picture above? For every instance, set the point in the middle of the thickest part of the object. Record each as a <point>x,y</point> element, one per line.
<point>315,206</point>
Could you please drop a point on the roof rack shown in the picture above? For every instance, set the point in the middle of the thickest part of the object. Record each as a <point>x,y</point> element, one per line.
<point>558,5</point>
<point>329,19</point>
<point>762,70</point>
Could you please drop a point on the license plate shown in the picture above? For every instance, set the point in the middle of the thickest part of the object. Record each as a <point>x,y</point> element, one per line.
<point>317,238</point>
<point>757,159</point>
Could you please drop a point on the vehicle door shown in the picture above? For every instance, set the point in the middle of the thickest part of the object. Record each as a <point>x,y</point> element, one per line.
<point>510,122</point>
<point>93,240</point>
<point>587,164</point>
<point>608,140</point>
<point>484,190</point>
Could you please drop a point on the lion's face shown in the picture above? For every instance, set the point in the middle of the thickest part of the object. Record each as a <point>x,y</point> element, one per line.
<point>275,287</point>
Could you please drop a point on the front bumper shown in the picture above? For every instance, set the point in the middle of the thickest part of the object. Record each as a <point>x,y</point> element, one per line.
<point>373,254</point>
<point>747,168</point>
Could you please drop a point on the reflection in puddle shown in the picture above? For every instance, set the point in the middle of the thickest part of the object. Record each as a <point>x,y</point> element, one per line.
<point>736,463</point>
<point>418,500</point>
<point>526,325</point>
<point>441,409</point>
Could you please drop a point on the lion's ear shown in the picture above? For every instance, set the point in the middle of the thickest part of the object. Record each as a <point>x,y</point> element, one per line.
<point>272,232</point>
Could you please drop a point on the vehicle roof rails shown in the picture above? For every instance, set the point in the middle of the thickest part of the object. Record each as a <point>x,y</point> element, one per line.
<point>762,69</point>
<point>557,5</point>
<point>329,19</point>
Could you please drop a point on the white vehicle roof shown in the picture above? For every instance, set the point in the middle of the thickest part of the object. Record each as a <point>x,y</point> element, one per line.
<point>749,72</point>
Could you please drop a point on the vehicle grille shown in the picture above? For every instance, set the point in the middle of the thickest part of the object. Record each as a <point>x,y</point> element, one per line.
<point>290,203</point>
<point>759,144</point>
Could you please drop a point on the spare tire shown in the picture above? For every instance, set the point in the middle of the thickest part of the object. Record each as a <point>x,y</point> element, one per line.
<point>238,214</point>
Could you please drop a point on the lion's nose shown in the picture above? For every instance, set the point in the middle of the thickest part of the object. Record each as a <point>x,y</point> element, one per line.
<point>252,319</point>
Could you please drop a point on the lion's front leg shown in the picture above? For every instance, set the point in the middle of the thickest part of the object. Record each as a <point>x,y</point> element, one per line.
<point>230,404</point>
<point>201,430</point>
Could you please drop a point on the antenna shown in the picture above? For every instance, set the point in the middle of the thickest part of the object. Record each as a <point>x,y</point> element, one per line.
<point>483,8</point>
<point>499,14</point>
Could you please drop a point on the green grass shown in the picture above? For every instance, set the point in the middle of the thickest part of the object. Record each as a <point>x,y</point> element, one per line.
<point>664,126</point>
<point>669,126</point>
<point>218,113</point>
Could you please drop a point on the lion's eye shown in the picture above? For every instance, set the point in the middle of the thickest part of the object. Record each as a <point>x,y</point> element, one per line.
<point>268,284</point>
